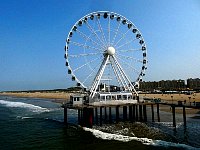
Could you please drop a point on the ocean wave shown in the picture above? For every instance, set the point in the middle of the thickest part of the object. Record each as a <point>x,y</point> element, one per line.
<point>146,141</point>
<point>54,119</point>
<point>25,117</point>
<point>31,107</point>
<point>170,124</point>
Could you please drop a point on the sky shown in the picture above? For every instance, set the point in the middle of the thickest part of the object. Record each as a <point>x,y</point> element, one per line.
<point>33,33</point>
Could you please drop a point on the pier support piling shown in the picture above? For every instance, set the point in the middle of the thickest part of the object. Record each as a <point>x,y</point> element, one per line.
<point>65,115</point>
<point>140,112</point>
<point>158,114</point>
<point>173,113</point>
<point>125,113</point>
<point>184,116</point>
<point>130,113</point>
<point>100,116</point>
<point>133,112</point>
<point>105,114</point>
<point>145,113</point>
<point>79,116</point>
<point>136,112</point>
<point>117,114</point>
<point>152,112</point>
<point>110,115</point>
<point>96,115</point>
<point>91,117</point>
<point>88,117</point>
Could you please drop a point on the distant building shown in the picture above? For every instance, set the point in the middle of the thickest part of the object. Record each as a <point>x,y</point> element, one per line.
<point>193,84</point>
<point>148,86</point>
<point>163,85</point>
<point>159,86</point>
<point>172,85</point>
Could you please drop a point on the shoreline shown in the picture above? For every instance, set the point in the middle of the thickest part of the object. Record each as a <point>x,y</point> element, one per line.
<point>62,97</point>
<point>65,95</point>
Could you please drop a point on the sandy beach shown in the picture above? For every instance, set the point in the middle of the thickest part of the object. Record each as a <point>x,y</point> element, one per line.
<point>65,96</point>
<point>175,97</point>
<point>61,97</point>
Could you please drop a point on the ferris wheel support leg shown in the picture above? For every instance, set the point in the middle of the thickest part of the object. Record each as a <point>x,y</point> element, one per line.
<point>124,82</point>
<point>95,79</point>
<point>117,75</point>
<point>129,82</point>
<point>98,77</point>
<point>122,74</point>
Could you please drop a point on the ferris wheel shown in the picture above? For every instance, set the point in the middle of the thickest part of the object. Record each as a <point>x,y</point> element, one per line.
<point>105,48</point>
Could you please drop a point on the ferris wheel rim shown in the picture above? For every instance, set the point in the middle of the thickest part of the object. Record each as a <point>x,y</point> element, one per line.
<point>115,15</point>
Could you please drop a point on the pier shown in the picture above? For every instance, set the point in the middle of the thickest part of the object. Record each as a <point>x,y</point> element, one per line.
<point>102,112</point>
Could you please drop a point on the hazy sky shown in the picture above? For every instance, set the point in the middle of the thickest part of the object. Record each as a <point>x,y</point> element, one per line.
<point>33,33</point>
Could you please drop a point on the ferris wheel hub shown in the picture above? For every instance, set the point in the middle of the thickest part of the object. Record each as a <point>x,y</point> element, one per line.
<point>110,51</point>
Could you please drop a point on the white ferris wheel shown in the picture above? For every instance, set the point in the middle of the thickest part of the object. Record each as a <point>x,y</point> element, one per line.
<point>106,51</point>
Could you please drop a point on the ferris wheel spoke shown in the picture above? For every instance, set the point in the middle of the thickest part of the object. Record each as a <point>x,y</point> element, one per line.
<point>109,30</point>
<point>93,32</point>
<point>93,71</point>
<point>126,63</point>
<point>85,54</point>
<point>101,30</point>
<point>123,36</point>
<point>119,72</point>
<point>119,79</point>
<point>85,46</point>
<point>85,64</point>
<point>124,76</point>
<point>117,30</point>
<point>99,76</point>
<point>126,43</point>
<point>129,50</point>
<point>87,37</point>
<point>129,57</point>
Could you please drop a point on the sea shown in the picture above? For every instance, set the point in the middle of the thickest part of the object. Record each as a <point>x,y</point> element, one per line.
<point>33,123</point>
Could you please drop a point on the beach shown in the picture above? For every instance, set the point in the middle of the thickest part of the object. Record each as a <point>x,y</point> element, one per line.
<point>62,97</point>
<point>59,97</point>
<point>65,96</point>
<point>175,97</point>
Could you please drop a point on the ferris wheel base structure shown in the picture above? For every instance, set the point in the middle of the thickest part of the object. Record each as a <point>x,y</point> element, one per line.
<point>104,99</point>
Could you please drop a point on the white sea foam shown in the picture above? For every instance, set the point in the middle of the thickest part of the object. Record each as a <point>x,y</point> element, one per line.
<point>25,117</point>
<point>146,141</point>
<point>31,107</point>
<point>170,124</point>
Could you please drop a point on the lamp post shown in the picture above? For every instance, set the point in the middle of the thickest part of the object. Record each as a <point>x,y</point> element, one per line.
<point>189,100</point>
<point>172,99</point>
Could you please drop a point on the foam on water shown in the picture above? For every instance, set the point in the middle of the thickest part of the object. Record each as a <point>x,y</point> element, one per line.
<point>31,107</point>
<point>170,124</point>
<point>146,141</point>
<point>25,117</point>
